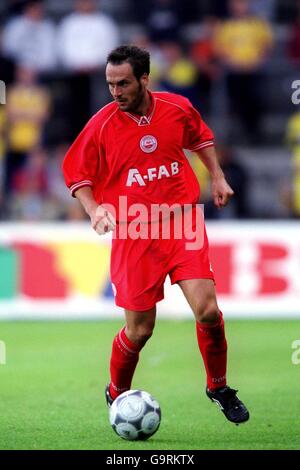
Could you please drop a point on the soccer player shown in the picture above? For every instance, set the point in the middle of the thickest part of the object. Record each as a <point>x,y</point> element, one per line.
<point>133,149</point>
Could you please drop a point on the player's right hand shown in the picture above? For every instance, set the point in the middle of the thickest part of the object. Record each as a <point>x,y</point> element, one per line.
<point>103,221</point>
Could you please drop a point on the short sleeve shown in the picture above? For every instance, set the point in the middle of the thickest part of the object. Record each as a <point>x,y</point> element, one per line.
<point>197,135</point>
<point>81,163</point>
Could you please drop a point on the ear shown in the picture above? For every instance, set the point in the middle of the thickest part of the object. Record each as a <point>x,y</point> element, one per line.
<point>145,79</point>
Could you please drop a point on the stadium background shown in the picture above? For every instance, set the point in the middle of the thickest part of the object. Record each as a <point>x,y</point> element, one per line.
<point>52,265</point>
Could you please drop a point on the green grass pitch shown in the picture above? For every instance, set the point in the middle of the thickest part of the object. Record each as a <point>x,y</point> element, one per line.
<point>51,388</point>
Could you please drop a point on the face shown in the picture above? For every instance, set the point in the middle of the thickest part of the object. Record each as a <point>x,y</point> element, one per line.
<point>85,6</point>
<point>26,76</point>
<point>239,8</point>
<point>35,11</point>
<point>124,87</point>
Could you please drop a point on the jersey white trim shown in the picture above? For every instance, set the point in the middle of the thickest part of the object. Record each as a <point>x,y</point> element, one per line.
<point>135,119</point>
<point>174,104</point>
<point>208,143</point>
<point>105,122</point>
<point>131,351</point>
<point>200,146</point>
<point>142,119</point>
<point>80,184</point>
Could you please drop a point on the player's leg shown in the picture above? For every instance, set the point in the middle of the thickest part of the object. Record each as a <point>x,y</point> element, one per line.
<point>201,296</point>
<point>126,347</point>
<point>137,275</point>
<point>140,325</point>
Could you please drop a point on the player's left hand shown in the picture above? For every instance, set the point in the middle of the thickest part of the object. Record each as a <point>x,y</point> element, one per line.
<point>221,192</point>
<point>103,221</point>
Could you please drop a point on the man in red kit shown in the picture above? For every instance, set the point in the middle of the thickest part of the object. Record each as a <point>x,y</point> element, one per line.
<point>132,150</point>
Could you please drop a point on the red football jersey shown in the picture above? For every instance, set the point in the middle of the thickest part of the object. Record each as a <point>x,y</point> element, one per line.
<point>140,157</point>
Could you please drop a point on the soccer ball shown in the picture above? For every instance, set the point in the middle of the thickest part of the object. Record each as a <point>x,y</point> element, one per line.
<point>135,415</point>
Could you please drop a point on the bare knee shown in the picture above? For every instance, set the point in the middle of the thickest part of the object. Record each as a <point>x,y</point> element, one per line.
<point>140,325</point>
<point>208,313</point>
<point>139,334</point>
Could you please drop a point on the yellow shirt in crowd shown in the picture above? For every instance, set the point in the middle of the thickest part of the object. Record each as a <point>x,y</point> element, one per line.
<point>293,139</point>
<point>2,129</point>
<point>27,109</point>
<point>243,42</point>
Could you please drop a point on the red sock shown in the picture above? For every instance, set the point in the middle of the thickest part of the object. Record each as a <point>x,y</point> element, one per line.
<point>213,347</point>
<point>124,358</point>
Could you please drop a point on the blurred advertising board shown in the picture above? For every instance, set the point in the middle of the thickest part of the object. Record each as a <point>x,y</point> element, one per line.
<point>61,271</point>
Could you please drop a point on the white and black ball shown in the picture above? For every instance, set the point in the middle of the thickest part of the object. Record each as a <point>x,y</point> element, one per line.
<point>135,415</point>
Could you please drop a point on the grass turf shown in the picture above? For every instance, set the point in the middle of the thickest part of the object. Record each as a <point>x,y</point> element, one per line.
<point>51,389</point>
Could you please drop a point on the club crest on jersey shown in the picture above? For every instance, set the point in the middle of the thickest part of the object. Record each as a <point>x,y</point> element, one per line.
<point>148,143</point>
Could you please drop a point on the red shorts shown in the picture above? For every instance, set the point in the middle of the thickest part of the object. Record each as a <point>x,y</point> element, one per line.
<point>139,268</point>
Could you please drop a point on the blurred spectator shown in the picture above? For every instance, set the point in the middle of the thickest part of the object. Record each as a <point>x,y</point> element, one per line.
<point>35,169</point>
<point>243,43</point>
<point>37,190</point>
<point>28,204</point>
<point>293,142</point>
<point>29,39</point>
<point>168,14</point>
<point>202,175</point>
<point>180,74</point>
<point>203,54</point>
<point>28,200</point>
<point>66,208</point>
<point>2,153</point>
<point>6,66</point>
<point>238,46</point>
<point>85,38</point>
<point>237,178</point>
<point>163,21</point>
<point>141,39</point>
<point>293,51</point>
<point>264,9</point>
<point>27,112</point>
<point>74,211</point>
<point>2,131</point>
<point>56,185</point>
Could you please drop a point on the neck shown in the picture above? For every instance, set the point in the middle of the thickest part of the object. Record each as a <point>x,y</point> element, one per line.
<point>144,105</point>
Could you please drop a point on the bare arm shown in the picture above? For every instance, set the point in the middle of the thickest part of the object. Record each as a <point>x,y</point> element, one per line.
<point>221,191</point>
<point>102,221</point>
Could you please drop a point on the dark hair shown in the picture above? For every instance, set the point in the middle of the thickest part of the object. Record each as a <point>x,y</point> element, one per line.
<point>138,58</point>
